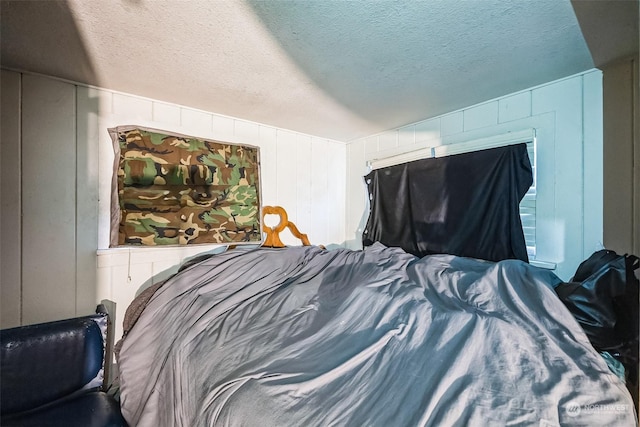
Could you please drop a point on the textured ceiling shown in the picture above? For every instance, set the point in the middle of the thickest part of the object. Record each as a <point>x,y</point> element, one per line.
<point>336,69</point>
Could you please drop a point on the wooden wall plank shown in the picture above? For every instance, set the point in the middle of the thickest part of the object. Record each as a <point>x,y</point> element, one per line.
<point>87,176</point>
<point>618,156</point>
<point>514,107</point>
<point>198,122</point>
<point>286,171</point>
<point>427,130</point>
<point>128,281</point>
<point>268,165</point>
<point>223,128</point>
<point>320,199</point>
<point>388,140</point>
<point>356,204</point>
<point>246,132</point>
<point>451,124</point>
<point>406,135</point>
<point>371,144</point>
<point>303,180</point>
<point>635,183</point>
<point>133,108</point>
<point>106,156</point>
<point>480,116</point>
<point>48,199</point>
<point>167,113</point>
<point>337,190</point>
<point>592,164</point>
<point>10,196</point>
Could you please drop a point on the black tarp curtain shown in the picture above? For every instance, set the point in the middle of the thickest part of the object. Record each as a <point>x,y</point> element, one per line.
<point>464,204</point>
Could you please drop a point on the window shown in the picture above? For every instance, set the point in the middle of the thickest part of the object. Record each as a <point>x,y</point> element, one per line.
<point>449,147</point>
<point>171,189</point>
<point>528,206</point>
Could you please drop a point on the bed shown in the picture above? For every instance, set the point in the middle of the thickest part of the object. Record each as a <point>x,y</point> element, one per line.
<point>304,336</point>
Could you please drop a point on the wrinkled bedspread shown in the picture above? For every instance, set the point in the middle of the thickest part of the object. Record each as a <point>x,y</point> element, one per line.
<point>308,337</point>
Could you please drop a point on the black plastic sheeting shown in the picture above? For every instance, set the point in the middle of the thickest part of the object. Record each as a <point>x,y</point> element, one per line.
<point>464,204</point>
<point>603,296</point>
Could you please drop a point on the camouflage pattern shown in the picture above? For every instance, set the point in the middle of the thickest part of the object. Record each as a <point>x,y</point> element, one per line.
<point>178,190</point>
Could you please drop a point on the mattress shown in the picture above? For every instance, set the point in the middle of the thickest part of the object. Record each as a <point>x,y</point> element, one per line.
<point>302,336</point>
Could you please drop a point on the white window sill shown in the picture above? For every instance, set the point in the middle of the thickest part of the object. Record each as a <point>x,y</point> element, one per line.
<point>543,264</point>
<point>128,255</point>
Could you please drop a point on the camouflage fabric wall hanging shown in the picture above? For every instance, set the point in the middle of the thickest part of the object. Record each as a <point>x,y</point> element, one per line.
<point>174,189</point>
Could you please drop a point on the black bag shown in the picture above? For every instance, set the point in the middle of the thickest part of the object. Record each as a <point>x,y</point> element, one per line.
<point>603,297</point>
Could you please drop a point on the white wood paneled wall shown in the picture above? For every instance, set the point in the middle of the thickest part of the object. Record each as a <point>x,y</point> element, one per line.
<point>567,115</point>
<point>55,207</point>
<point>621,84</point>
<point>11,198</point>
<point>290,178</point>
<point>57,161</point>
<point>286,158</point>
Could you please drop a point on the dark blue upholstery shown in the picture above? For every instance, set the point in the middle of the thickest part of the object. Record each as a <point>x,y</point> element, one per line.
<point>51,374</point>
<point>95,409</point>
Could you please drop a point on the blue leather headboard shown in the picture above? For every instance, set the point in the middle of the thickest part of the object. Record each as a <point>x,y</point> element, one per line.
<point>42,363</point>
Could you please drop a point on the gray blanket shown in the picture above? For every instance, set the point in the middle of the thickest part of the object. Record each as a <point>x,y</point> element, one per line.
<point>306,337</point>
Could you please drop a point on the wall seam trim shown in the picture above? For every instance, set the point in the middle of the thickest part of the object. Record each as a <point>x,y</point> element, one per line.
<point>75,240</point>
<point>582,138</point>
<point>21,314</point>
<point>131,95</point>
<point>635,171</point>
